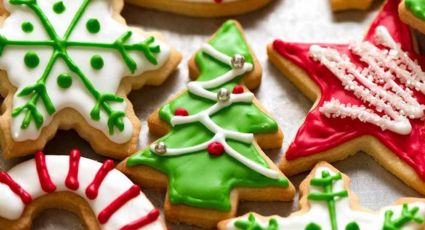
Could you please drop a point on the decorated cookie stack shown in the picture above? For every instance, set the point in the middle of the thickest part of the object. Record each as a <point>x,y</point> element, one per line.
<point>71,64</point>
<point>64,65</point>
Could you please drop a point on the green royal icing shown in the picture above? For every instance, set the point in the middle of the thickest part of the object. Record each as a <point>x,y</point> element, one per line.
<point>59,45</point>
<point>328,195</point>
<point>64,80</point>
<point>96,62</point>
<point>406,216</point>
<point>417,7</point>
<point>31,59</point>
<point>93,26</point>
<point>27,27</point>
<point>312,226</point>
<point>252,224</point>
<point>199,179</point>
<point>59,7</point>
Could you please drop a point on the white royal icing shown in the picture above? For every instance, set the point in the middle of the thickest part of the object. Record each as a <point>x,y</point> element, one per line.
<point>106,80</point>
<point>387,103</point>
<point>319,214</point>
<point>114,184</point>
<point>200,88</point>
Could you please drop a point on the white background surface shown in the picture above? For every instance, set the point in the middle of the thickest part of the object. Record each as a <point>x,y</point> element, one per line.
<point>292,20</point>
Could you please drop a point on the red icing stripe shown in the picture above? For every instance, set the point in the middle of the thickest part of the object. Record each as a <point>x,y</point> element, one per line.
<point>43,174</point>
<point>106,213</point>
<point>72,179</point>
<point>15,187</point>
<point>93,189</point>
<point>143,221</point>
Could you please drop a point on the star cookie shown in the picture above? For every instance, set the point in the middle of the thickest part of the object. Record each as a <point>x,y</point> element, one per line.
<point>369,96</point>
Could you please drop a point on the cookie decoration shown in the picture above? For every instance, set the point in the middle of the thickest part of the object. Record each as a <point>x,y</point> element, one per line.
<point>210,159</point>
<point>341,5</point>
<point>203,8</point>
<point>100,195</point>
<point>369,97</point>
<point>412,12</point>
<point>328,203</point>
<point>64,65</point>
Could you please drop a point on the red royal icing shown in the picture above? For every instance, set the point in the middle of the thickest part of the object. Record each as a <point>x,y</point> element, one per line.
<point>216,149</point>
<point>106,213</point>
<point>238,89</point>
<point>93,189</point>
<point>15,187</point>
<point>71,180</point>
<point>319,133</point>
<point>43,174</point>
<point>143,221</point>
<point>181,112</point>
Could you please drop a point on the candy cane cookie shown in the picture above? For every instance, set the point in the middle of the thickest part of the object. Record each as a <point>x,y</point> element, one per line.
<point>100,195</point>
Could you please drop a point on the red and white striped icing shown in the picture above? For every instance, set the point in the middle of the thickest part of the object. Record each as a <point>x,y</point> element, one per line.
<point>115,200</point>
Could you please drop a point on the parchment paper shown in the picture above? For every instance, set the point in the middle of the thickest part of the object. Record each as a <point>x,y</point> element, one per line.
<point>292,20</point>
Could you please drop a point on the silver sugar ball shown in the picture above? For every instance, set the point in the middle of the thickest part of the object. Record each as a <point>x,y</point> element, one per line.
<point>223,95</point>
<point>238,61</point>
<point>160,147</point>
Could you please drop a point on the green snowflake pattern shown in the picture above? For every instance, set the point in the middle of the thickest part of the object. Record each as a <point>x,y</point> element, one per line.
<point>38,91</point>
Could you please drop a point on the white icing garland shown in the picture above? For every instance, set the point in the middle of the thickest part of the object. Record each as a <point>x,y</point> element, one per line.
<point>200,89</point>
<point>376,84</point>
<point>319,214</point>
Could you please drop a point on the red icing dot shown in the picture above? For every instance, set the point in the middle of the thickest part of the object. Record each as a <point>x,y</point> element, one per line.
<point>181,112</point>
<point>238,89</point>
<point>218,1</point>
<point>215,149</point>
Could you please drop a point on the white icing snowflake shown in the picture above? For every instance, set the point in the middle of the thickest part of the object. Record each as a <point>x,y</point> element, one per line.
<point>72,54</point>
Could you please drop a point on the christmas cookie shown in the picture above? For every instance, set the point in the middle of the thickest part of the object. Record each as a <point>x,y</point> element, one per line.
<point>328,203</point>
<point>100,195</point>
<point>64,65</point>
<point>412,12</point>
<point>340,5</point>
<point>211,156</point>
<point>369,97</point>
<point>203,8</point>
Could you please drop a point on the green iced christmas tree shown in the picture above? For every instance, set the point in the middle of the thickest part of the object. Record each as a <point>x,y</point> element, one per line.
<point>205,157</point>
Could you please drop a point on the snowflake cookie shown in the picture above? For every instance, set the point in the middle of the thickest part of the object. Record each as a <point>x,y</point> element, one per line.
<point>327,203</point>
<point>210,158</point>
<point>100,195</point>
<point>65,63</point>
<point>370,97</point>
<point>203,8</point>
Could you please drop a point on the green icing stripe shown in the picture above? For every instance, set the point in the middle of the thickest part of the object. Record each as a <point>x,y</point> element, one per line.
<point>199,179</point>
<point>417,7</point>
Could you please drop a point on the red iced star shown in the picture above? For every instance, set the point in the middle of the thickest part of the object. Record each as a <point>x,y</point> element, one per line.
<point>320,133</point>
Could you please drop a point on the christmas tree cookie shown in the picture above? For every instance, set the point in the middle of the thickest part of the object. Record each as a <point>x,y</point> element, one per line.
<point>64,65</point>
<point>340,5</point>
<point>412,12</point>
<point>101,196</point>
<point>327,203</point>
<point>369,97</point>
<point>211,156</point>
<point>203,8</point>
